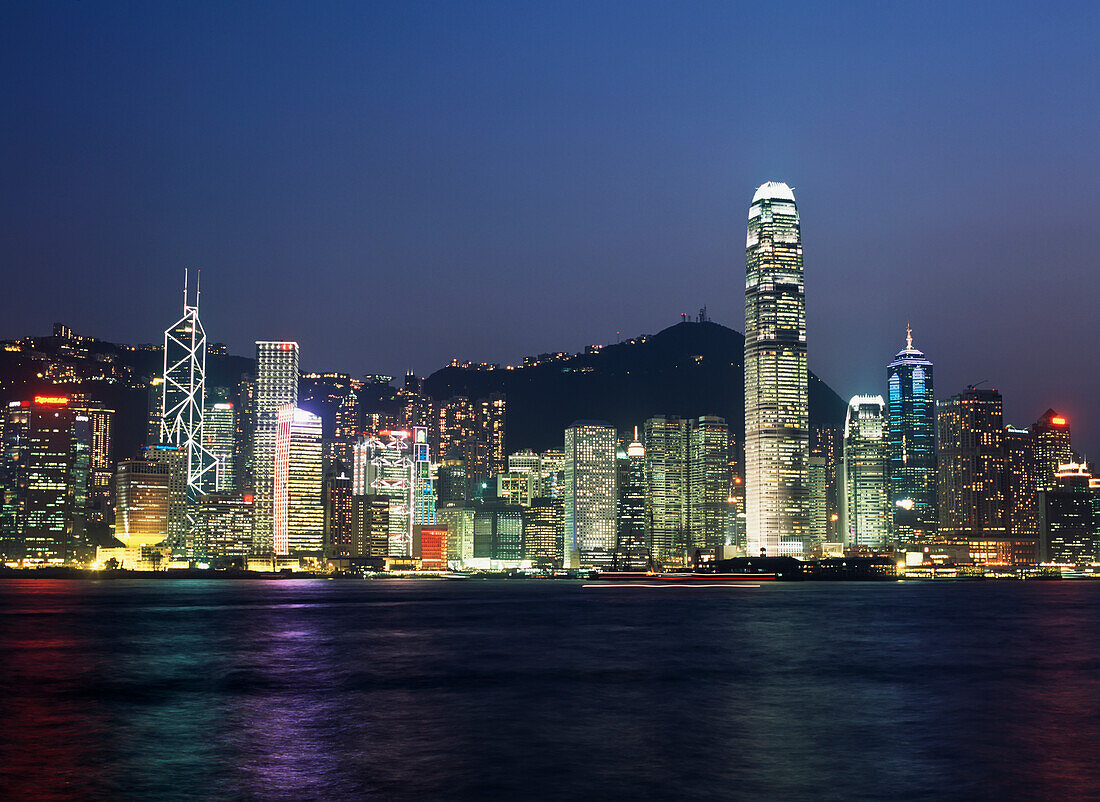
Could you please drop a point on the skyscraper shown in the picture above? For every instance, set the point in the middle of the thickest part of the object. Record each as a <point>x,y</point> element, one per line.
<point>299,523</point>
<point>970,474</point>
<point>777,437</point>
<point>276,385</point>
<point>1021,487</point>
<point>912,443</point>
<point>142,502</point>
<point>1050,437</point>
<point>708,482</point>
<point>47,460</point>
<point>183,395</point>
<point>220,438</point>
<point>666,468</point>
<point>589,497</point>
<point>1067,524</point>
<point>864,511</point>
<point>632,547</point>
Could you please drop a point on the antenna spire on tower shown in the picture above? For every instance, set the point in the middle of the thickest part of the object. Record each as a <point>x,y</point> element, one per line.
<point>908,337</point>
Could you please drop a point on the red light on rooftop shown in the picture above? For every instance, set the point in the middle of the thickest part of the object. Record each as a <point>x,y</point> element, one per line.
<point>51,400</point>
<point>1058,421</point>
<point>248,498</point>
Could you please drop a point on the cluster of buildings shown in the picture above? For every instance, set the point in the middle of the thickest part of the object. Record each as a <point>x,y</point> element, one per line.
<point>285,469</point>
<point>941,479</point>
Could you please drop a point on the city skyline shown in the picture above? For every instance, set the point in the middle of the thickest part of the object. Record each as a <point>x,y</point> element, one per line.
<point>309,159</point>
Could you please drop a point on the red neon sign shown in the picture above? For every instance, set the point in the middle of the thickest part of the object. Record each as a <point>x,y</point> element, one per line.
<point>51,400</point>
<point>1058,421</point>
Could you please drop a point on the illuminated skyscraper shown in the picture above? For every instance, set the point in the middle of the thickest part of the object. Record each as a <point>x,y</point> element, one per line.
<point>589,513</point>
<point>220,438</point>
<point>183,395</point>
<point>708,482</point>
<point>632,548</point>
<point>276,386</point>
<point>1067,517</point>
<point>666,470</point>
<point>224,530</point>
<point>542,532</point>
<point>865,517</point>
<point>46,471</point>
<point>383,466</point>
<point>142,502</point>
<point>970,474</point>
<point>299,524</point>
<point>1050,437</point>
<point>912,443</point>
<point>1021,487</point>
<point>777,436</point>
<point>180,533</point>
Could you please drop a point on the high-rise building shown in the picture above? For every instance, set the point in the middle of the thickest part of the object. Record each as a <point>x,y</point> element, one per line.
<point>423,496</point>
<point>101,456</point>
<point>224,529</point>
<point>142,502</point>
<point>1020,485</point>
<point>383,466</point>
<point>912,444</point>
<point>818,509</point>
<point>1067,521</point>
<point>589,494</point>
<point>180,532</point>
<point>276,386</point>
<point>542,532</point>
<point>708,482</point>
<point>220,439</point>
<point>666,472</point>
<point>339,515</point>
<point>498,532</point>
<point>865,516</point>
<point>370,535</point>
<point>430,546</point>
<point>473,431</point>
<point>299,524</point>
<point>459,520</point>
<point>632,545</point>
<point>970,474</point>
<point>183,395</point>
<point>47,458</point>
<point>777,437</point>
<point>1050,437</point>
<point>551,473</point>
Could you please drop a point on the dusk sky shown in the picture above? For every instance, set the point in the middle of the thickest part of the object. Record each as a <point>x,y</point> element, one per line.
<point>394,185</point>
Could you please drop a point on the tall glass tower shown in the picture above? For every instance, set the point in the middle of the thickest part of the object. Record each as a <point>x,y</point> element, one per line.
<point>777,422</point>
<point>912,444</point>
<point>863,505</point>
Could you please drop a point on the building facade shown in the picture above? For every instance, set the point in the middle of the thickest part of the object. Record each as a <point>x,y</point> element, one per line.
<point>299,524</point>
<point>865,515</point>
<point>777,437</point>
<point>589,495</point>
<point>276,386</point>
<point>911,420</point>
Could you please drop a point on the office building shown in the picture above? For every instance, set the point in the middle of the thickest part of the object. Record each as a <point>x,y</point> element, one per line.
<point>865,516</point>
<point>299,515</point>
<point>224,527</point>
<point>543,532</point>
<point>632,547</point>
<point>589,494</point>
<point>1050,438</point>
<point>708,483</point>
<point>383,466</point>
<point>183,396</point>
<point>498,533</point>
<point>911,417</point>
<point>276,386</point>
<point>459,521</point>
<point>1067,519</point>
<point>777,438</point>
<point>1021,486</point>
<point>666,472</point>
<point>220,439</point>
<point>181,531</point>
<point>47,459</point>
<point>970,475</point>
<point>142,502</point>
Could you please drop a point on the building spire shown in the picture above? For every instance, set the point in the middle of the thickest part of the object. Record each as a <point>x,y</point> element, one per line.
<point>908,337</point>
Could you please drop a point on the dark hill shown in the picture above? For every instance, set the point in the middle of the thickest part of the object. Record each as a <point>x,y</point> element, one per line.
<point>689,369</point>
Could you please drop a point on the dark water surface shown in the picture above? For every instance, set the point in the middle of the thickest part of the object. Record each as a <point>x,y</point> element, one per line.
<point>510,689</point>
